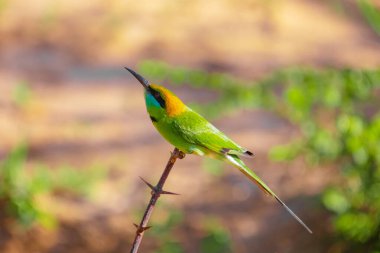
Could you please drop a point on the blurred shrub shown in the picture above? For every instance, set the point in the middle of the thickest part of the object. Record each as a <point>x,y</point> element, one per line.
<point>20,187</point>
<point>21,94</point>
<point>212,166</point>
<point>163,230</point>
<point>3,5</point>
<point>217,239</point>
<point>371,12</point>
<point>214,237</point>
<point>337,112</point>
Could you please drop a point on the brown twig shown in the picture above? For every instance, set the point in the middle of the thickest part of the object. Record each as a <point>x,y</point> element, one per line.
<point>156,193</point>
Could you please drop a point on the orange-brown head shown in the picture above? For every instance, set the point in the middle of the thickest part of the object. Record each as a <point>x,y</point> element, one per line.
<point>171,103</point>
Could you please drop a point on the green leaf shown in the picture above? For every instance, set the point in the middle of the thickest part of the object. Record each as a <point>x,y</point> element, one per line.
<point>284,152</point>
<point>359,227</point>
<point>371,13</point>
<point>21,94</point>
<point>170,247</point>
<point>217,239</point>
<point>335,201</point>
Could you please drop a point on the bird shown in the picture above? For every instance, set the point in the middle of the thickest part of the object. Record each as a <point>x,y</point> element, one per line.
<point>191,133</point>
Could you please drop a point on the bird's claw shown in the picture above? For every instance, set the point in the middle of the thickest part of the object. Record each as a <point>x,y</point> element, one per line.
<point>177,154</point>
<point>181,155</point>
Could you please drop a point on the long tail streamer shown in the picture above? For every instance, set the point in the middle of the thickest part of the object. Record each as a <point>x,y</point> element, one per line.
<point>235,160</point>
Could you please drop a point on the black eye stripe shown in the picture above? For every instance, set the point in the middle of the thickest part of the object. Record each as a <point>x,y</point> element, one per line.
<point>157,96</point>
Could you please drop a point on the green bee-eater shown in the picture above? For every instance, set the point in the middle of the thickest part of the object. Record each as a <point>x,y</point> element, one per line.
<point>192,134</point>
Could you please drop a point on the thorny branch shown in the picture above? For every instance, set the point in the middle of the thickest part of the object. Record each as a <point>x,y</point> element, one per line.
<point>156,193</point>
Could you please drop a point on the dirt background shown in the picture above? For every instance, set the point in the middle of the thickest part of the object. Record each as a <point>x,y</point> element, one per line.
<point>87,110</point>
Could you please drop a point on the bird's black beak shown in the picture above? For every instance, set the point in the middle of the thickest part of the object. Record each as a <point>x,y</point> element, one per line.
<point>141,79</point>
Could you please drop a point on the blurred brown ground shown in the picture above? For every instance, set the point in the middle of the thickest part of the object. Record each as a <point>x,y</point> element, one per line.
<point>86,109</point>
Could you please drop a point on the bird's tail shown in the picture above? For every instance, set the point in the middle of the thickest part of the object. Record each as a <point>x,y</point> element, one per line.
<point>235,160</point>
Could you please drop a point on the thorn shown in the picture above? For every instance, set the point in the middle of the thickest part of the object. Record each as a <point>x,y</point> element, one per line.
<point>148,184</point>
<point>146,228</point>
<point>169,193</point>
<point>141,229</point>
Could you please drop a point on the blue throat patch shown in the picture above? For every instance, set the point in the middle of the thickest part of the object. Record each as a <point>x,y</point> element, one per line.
<point>151,101</point>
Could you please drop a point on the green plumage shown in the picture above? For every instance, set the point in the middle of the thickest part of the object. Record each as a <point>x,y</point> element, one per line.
<point>193,134</point>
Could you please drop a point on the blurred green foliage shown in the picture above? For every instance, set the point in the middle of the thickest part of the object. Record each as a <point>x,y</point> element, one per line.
<point>212,166</point>
<point>164,230</point>
<point>21,94</point>
<point>20,187</point>
<point>3,5</point>
<point>337,112</point>
<point>371,12</point>
<point>169,243</point>
<point>215,238</point>
<point>369,9</point>
<point>233,93</point>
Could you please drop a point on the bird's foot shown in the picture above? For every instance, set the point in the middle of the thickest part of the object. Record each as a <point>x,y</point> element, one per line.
<point>177,154</point>
<point>181,155</point>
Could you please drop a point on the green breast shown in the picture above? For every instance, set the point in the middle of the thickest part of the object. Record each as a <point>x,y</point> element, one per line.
<point>166,127</point>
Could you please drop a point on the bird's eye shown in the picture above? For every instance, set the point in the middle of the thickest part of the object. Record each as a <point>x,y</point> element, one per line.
<point>158,97</point>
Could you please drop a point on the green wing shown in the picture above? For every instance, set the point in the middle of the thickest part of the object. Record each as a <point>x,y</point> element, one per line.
<point>198,131</point>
